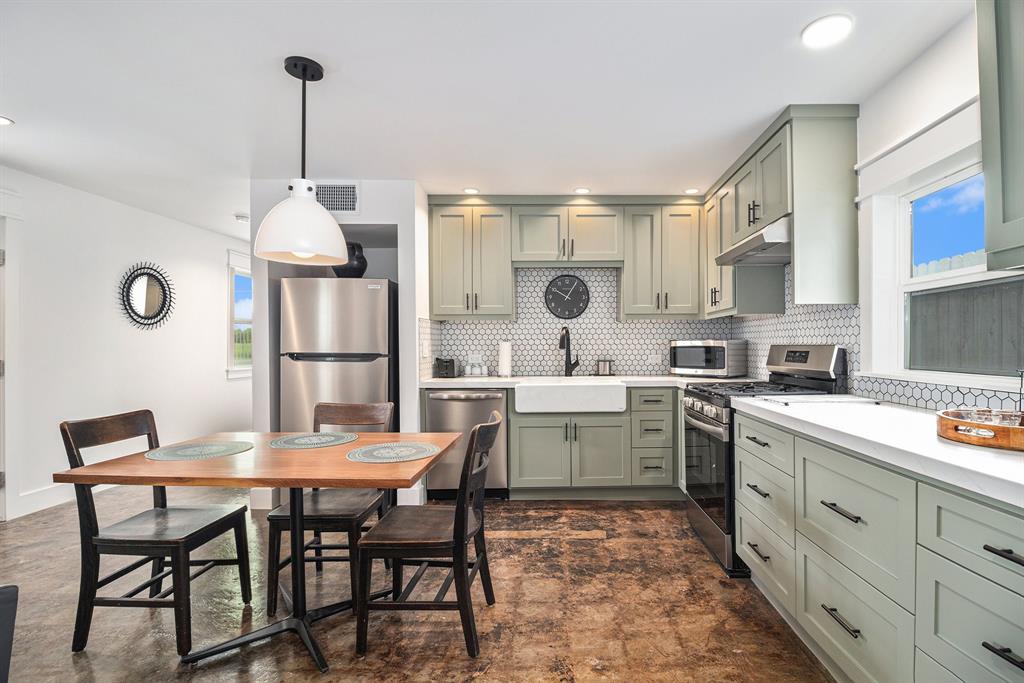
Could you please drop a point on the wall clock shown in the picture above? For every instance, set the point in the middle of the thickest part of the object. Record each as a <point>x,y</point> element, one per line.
<point>567,296</point>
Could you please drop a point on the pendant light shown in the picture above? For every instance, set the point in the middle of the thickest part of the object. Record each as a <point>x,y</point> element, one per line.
<point>299,229</point>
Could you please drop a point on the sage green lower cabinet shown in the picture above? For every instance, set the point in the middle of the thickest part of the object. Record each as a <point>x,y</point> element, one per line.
<point>959,612</point>
<point>601,454</point>
<point>864,516</point>
<point>868,635</point>
<point>767,493</point>
<point>927,670</point>
<point>655,429</point>
<point>770,558</point>
<point>651,398</point>
<point>768,443</point>
<point>653,467</point>
<point>539,451</point>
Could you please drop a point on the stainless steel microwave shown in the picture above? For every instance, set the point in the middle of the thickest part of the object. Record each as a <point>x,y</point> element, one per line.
<point>708,357</point>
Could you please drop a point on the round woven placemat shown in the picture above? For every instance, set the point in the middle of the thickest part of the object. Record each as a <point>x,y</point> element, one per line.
<point>398,451</point>
<point>313,440</point>
<point>199,451</point>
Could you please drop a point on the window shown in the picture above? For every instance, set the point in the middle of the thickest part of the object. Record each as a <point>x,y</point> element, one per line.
<point>948,227</point>
<point>240,322</point>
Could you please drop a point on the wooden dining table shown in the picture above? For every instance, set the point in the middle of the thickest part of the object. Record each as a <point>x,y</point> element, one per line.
<point>264,466</point>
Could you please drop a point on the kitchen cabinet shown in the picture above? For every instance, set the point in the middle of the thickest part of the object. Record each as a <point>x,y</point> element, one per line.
<point>661,269</point>
<point>652,467</point>
<point>1001,80</point>
<point>540,451</point>
<point>471,262</point>
<point>549,451</point>
<point>540,233</point>
<point>601,455</point>
<point>772,175</point>
<point>742,200</point>
<point>595,233</point>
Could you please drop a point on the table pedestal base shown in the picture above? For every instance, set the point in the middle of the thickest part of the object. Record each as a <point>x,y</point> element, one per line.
<point>299,626</point>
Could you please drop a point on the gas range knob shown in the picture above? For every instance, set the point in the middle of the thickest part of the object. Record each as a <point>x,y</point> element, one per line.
<point>687,402</point>
<point>710,410</point>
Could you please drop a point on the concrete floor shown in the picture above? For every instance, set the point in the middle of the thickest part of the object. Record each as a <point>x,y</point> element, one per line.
<point>585,591</point>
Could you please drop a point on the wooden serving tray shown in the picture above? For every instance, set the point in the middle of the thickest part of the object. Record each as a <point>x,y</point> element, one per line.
<point>983,427</point>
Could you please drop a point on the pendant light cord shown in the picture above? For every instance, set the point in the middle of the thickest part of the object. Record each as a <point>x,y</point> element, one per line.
<point>303,174</point>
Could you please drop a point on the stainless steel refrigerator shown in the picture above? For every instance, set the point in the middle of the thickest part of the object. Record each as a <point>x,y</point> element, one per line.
<point>339,344</point>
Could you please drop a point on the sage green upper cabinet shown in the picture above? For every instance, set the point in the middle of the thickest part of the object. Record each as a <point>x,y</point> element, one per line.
<point>771,170</point>
<point>595,233</point>
<point>451,261</point>
<point>540,233</point>
<point>641,269</point>
<point>712,247</point>
<point>743,197</point>
<point>1001,76</point>
<point>471,262</point>
<point>680,260</point>
<point>601,454</point>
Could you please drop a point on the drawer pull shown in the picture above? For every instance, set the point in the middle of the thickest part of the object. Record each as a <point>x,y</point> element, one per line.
<point>834,613</point>
<point>653,467</point>
<point>652,429</point>
<point>762,444</point>
<point>838,510</point>
<point>1004,653</point>
<point>756,489</point>
<point>1005,553</point>
<point>650,400</point>
<point>753,546</point>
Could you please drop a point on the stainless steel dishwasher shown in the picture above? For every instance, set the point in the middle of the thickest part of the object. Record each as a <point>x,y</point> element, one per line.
<point>459,411</point>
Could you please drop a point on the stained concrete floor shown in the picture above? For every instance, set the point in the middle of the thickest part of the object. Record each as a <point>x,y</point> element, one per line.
<point>585,591</point>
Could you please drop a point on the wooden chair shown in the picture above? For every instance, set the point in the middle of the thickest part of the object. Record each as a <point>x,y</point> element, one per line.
<point>434,533</point>
<point>157,534</point>
<point>8,611</point>
<point>331,510</point>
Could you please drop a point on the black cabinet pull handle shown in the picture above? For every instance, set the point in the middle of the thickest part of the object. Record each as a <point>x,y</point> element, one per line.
<point>575,432</point>
<point>666,301</point>
<point>1005,553</point>
<point>476,302</point>
<point>651,429</point>
<point>834,613</point>
<point>753,546</point>
<point>756,489</point>
<point>762,444</point>
<point>467,301</point>
<point>653,467</point>
<point>1004,653</point>
<point>650,400</point>
<point>572,247</point>
<point>561,251</point>
<point>750,214</point>
<point>838,510</point>
<point>754,206</point>
<point>566,432</point>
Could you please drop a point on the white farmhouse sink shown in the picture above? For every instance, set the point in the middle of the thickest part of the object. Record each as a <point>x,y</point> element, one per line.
<point>571,395</point>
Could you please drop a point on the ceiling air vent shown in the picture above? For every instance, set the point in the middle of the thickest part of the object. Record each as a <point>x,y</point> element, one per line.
<point>342,198</point>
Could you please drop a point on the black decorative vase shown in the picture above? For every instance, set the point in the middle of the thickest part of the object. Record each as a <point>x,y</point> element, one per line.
<point>356,266</point>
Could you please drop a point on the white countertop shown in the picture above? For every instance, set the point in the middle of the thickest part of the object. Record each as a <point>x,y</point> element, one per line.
<point>902,437</point>
<point>512,382</point>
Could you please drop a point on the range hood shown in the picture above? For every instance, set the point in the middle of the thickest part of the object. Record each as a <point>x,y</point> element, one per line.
<point>769,246</point>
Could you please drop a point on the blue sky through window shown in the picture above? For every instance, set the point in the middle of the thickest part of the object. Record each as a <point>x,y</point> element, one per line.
<point>949,222</point>
<point>243,297</point>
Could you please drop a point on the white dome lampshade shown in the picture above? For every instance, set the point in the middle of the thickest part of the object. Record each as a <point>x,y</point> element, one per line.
<point>300,230</point>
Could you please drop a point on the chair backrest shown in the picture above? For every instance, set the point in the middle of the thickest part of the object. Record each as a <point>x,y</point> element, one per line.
<point>354,415</point>
<point>474,478</point>
<point>99,431</point>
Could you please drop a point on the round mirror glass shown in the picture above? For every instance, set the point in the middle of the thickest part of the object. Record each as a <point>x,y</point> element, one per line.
<point>146,295</point>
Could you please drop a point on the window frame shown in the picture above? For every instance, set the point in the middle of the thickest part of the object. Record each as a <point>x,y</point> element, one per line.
<point>238,264</point>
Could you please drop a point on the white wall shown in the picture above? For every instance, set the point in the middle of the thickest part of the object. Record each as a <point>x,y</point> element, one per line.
<point>70,352</point>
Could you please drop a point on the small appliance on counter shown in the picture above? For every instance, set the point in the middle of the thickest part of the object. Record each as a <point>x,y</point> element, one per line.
<point>708,358</point>
<point>475,365</point>
<point>445,367</point>
<point>604,368</point>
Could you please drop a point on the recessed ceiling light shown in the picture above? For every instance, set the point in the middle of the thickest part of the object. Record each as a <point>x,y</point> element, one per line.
<point>827,31</point>
<point>470,190</point>
<point>693,190</point>
<point>242,217</point>
<point>582,190</point>
<point>4,121</point>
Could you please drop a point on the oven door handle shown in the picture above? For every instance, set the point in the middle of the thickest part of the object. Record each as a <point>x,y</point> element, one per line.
<point>715,431</point>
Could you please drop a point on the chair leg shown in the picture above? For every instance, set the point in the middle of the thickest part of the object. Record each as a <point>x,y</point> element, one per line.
<point>485,568</point>
<point>396,578</point>
<point>242,553</point>
<point>317,552</point>
<point>86,594</point>
<point>182,600</point>
<point>353,560</point>
<point>158,566</point>
<point>363,602</point>
<point>273,567</point>
<point>465,601</point>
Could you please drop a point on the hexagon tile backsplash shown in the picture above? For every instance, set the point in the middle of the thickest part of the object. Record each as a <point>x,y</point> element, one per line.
<point>640,347</point>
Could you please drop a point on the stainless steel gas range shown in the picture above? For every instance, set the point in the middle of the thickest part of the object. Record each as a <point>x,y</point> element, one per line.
<point>709,446</point>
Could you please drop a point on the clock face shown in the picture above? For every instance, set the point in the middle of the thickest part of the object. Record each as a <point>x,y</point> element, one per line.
<point>567,296</point>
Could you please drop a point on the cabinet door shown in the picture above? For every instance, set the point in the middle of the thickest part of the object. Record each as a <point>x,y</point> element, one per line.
<point>641,269</point>
<point>1001,67</point>
<point>595,233</point>
<point>680,260</point>
<point>726,276</point>
<point>492,261</point>
<point>539,454</point>
<point>743,197</point>
<point>773,180</point>
<point>712,243</point>
<point>540,233</point>
<point>451,261</point>
<point>601,454</point>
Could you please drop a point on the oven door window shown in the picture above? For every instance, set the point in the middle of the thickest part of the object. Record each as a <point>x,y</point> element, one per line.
<point>707,474</point>
<point>698,357</point>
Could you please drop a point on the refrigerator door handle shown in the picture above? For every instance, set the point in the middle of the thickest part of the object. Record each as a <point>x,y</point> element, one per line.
<point>336,358</point>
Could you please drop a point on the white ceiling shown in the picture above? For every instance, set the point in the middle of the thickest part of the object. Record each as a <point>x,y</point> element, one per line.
<point>173,106</point>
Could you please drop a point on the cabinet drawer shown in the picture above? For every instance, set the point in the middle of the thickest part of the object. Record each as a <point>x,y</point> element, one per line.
<point>768,556</point>
<point>653,429</point>
<point>772,445</point>
<point>767,493</point>
<point>983,539</point>
<point>958,611</point>
<point>650,399</point>
<point>830,599</point>
<point>860,514</point>
<point>927,670</point>
<point>652,467</point>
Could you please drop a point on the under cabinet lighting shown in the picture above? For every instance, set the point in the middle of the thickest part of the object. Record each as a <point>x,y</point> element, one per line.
<point>826,31</point>
<point>582,190</point>
<point>471,190</point>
